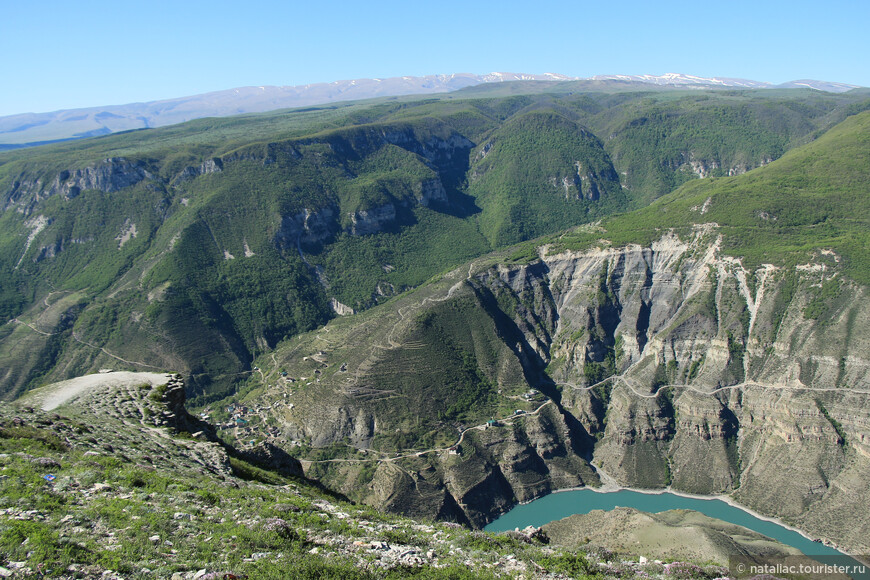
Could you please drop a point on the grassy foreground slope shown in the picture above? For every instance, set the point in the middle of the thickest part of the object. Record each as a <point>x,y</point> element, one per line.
<point>116,485</point>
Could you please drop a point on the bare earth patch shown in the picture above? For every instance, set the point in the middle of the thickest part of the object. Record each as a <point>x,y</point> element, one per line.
<point>52,396</point>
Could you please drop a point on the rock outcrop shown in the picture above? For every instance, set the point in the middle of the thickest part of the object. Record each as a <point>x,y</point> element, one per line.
<point>111,175</point>
<point>306,227</point>
<point>586,182</point>
<point>670,365</point>
<point>370,221</point>
<point>213,165</point>
<point>430,192</point>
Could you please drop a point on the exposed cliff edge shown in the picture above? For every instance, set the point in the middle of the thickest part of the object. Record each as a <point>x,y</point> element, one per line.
<point>110,175</point>
<point>669,365</point>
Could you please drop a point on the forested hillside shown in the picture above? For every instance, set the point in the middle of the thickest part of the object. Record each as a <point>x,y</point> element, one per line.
<point>201,246</point>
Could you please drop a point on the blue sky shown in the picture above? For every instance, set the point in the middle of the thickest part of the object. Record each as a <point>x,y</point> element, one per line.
<point>61,54</point>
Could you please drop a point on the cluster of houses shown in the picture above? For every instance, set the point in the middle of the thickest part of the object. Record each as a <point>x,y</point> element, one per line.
<point>247,422</point>
<point>237,418</point>
<point>531,395</point>
<point>242,420</point>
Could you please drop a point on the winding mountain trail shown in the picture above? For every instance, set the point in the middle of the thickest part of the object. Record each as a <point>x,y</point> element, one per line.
<point>31,327</point>
<point>114,356</point>
<point>507,421</point>
<point>390,342</point>
<point>631,385</point>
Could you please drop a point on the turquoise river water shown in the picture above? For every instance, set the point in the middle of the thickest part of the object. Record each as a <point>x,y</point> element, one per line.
<point>556,506</point>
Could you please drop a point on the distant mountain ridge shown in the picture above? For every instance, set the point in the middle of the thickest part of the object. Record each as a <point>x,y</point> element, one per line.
<point>27,129</point>
<point>678,79</point>
<point>37,128</point>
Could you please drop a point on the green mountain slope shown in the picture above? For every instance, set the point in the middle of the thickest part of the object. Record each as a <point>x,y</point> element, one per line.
<point>815,198</point>
<point>201,246</point>
<point>709,343</point>
<point>506,180</point>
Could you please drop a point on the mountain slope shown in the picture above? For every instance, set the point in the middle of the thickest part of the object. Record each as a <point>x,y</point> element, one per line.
<point>668,535</point>
<point>199,247</point>
<point>815,197</point>
<point>690,360</point>
<point>123,483</point>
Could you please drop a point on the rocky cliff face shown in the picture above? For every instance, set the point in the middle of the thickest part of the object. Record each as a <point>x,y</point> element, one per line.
<point>430,191</point>
<point>670,365</point>
<point>110,175</point>
<point>213,165</point>
<point>312,226</point>
<point>587,182</point>
<point>490,471</point>
<point>307,226</point>
<point>370,221</point>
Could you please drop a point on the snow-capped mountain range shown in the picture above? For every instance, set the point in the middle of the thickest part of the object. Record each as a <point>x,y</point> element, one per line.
<point>34,128</point>
<point>682,79</point>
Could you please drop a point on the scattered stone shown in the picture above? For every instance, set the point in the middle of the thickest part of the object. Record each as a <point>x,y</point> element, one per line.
<point>280,527</point>
<point>517,535</point>
<point>287,507</point>
<point>46,462</point>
